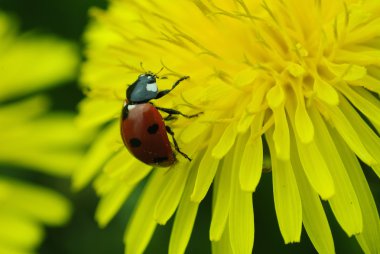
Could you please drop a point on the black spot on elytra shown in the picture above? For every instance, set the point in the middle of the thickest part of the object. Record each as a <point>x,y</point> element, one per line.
<point>160,159</point>
<point>153,128</point>
<point>135,142</point>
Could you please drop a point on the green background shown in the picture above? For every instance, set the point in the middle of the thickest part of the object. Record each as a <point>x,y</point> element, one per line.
<point>67,19</point>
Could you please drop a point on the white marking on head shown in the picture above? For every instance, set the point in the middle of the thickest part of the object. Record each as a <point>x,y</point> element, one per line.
<point>151,87</point>
<point>130,107</point>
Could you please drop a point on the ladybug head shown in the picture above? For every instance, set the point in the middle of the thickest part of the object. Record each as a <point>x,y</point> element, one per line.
<point>143,89</point>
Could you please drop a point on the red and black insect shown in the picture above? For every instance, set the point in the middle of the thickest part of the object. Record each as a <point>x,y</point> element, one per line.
<point>143,129</point>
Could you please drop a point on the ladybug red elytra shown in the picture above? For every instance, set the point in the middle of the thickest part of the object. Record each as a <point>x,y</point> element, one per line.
<point>142,127</point>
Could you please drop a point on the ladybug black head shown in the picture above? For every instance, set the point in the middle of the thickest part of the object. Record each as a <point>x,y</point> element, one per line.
<point>143,89</point>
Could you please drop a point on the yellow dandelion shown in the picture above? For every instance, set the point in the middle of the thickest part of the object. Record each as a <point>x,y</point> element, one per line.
<point>301,77</point>
<point>31,138</point>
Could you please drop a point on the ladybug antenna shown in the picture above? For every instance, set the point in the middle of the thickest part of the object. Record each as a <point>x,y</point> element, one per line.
<point>142,67</point>
<point>159,71</point>
<point>156,74</point>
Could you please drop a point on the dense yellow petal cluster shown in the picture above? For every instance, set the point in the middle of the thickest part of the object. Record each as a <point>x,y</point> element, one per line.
<point>301,77</point>
<point>32,138</point>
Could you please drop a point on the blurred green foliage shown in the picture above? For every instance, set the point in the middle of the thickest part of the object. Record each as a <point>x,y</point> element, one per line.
<point>67,19</point>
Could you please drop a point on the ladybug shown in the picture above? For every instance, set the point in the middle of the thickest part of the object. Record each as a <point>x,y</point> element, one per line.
<point>142,127</point>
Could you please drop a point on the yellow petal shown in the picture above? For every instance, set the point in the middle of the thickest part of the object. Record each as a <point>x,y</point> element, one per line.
<point>241,221</point>
<point>313,215</point>
<point>225,142</point>
<point>344,203</point>
<point>126,168</point>
<point>325,92</point>
<point>366,134</point>
<point>251,165</point>
<point>42,160</point>
<point>171,193</point>
<point>316,169</point>
<point>223,246</point>
<point>184,219</point>
<point>43,204</point>
<point>206,171</point>
<point>30,108</point>
<point>286,197</point>
<point>57,130</point>
<point>221,198</point>
<point>376,169</point>
<point>103,184</point>
<point>142,224</point>
<point>281,134</point>
<point>244,122</point>
<point>94,112</point>
<point>111,203</point>
<point>252,158</point>
<point>303,124</point>
<point>346,130</point>
<point>358,55</point>
<point>372,101</point>
<point>370,236</point>
<point>363,101</point>
<point>60,146</point>
<point>192,131</point>
<point>44,61</point>
<point>94,158</point>
<point>295,70</point>
<point>7,249</point>
<point>366,32</point>
<point>256,103</point>
<point>118,163</point>
<point>275,97</point>
<point>245,77</point>
<point>348,72</point>
<point>369,82</point>
<point>19,231</point>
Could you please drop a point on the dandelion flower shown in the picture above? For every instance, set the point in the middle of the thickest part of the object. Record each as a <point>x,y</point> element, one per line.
<point>301,77</point>
<point>32,138</point>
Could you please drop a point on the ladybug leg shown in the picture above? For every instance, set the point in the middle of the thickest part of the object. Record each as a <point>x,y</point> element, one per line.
<point>169,130</point>
<point>176,112</point>
<point>170,118</point>
<point>165,92</point>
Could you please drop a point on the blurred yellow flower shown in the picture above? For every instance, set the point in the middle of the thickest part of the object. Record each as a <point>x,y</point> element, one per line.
<point>23,208</point>
<point>28,65</point>
<point>301,77</point>
<point>30,137</point>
